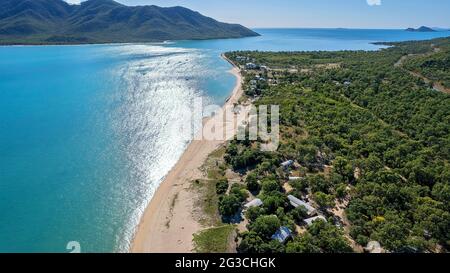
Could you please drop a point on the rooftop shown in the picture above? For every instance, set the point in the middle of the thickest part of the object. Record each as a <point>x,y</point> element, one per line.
<point>287,163</point>
<point>254,203</point>
<point>282,234</point>
<point>311,220</point>
<point>297,202</point>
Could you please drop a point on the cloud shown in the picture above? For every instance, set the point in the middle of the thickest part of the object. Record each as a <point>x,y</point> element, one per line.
<point>73,1</point>
<point>374,2</point>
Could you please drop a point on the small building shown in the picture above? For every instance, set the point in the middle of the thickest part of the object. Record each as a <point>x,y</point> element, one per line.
<point>295,202</point>
<point>287,164</point>
<point>311,220</point>
<point>282,235</point>
<point>347,83</point>
<point>254,203</point>
<point>295,178</point>
<point>374,247</point>
<point>251,66</point>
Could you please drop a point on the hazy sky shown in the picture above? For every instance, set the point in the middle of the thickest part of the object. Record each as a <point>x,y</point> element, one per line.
<point>317,13</point>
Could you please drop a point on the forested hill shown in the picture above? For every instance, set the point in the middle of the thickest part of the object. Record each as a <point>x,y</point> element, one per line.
<point>370,146</point>
<point>105,21</point>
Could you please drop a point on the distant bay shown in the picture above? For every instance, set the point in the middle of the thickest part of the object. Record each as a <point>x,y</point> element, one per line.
<point>88,132</point>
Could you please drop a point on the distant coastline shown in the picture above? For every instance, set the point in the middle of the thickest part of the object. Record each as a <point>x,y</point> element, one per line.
<point>116,43</point>
<point>386,43</point>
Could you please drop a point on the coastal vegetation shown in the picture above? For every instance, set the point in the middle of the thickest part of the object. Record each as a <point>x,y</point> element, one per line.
<point>215,237</point>
<point>364,144</point>
<point>435,67</point>
<point>214,240</point>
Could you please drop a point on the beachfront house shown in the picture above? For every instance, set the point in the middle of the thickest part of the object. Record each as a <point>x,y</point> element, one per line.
<point>241,58</point>
<point>251,66</point>
<point>259,78</point>
<point>282,235</point>
<point>295,202</point>
<point>295,178</point>
<point>254,203</point>
<point>287,164</point>
<point>311,220</point>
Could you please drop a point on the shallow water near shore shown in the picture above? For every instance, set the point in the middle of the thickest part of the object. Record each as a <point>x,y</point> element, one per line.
<point>88,132</point>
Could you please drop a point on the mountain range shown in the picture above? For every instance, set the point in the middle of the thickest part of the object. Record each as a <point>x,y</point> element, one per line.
<point>105,21</point>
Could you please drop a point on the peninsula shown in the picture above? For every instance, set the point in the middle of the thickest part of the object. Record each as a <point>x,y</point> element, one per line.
<point>421,29</point>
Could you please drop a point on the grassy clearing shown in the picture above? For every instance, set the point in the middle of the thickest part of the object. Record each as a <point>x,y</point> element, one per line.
<point>217,238</point>
<point>207,201</point>
<point>214,165</point>
<point>214,240</point>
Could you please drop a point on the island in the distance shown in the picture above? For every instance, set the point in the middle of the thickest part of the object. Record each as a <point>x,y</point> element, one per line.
<point>421,29</point>
<point>105,21</point>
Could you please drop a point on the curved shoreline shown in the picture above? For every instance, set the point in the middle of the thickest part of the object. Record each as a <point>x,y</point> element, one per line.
<point>168,225</point>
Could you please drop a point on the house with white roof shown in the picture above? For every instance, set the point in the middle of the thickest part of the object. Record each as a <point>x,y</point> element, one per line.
<point>295,202</point>
<point>254,203</point>
<point>251,66</point>
<point>311,220</point>
<point>287,164</point>
<point>295,178</point>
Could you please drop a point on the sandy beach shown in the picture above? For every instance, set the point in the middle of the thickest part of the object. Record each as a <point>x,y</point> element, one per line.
<point>168,223</point>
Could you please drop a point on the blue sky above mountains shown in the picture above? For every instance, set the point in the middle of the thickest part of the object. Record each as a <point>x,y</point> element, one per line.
<point>317,13</point>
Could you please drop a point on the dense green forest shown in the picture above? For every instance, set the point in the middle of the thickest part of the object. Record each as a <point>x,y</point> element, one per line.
<point>105,21</point>
<point>429,60</point>
<point>367,136</point>
<point>435,68</point>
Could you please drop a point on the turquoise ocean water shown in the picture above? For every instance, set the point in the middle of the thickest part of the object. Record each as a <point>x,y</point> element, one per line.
<point>88,132</point>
